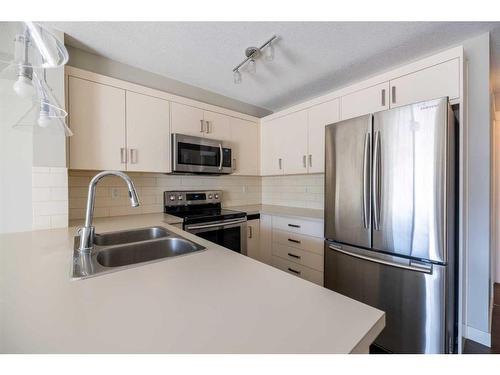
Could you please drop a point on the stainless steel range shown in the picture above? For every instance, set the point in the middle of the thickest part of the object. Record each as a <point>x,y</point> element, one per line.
<point>204,216</point>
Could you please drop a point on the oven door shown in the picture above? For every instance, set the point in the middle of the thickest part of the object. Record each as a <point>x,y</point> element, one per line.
<point>200,155</point>
<point>230,234</point>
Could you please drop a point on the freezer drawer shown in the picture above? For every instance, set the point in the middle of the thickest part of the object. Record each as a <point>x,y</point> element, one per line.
<point>419,310</point>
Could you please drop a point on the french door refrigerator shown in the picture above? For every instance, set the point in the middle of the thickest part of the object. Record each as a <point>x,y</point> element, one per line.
<point>390,219</point>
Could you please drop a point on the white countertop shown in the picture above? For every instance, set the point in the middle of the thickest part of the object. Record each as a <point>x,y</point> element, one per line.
<point>214,301</point>
<point>299,212</point>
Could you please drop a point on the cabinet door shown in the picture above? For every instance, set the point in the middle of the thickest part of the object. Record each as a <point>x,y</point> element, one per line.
<point>187,120</point>
<point>148,133</point>
<point>363,102</point>
<point>253,241</point>
<point>318,117</point>
<point>292,142</point>
<point>217,126</point>
<point>430,83</point>
<point>97,119</point>
<point>245,147</point>
<point>271,139</point>
<point>265,240</point>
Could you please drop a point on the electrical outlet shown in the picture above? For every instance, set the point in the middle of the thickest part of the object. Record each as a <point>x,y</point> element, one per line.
<point>115,193</point>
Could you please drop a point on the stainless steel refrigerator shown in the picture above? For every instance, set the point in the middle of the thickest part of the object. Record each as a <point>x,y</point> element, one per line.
<point>390,221</point>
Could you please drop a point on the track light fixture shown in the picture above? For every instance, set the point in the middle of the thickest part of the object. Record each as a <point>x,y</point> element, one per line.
<point>252,54</point>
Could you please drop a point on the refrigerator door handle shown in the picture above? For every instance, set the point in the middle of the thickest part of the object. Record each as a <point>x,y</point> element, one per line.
<point>366,181</point>
<point>376,182</point>
<point>407,264</point>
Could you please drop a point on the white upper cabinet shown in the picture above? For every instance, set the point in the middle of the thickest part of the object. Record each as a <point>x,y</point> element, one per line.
<point>293,142</point>
<point>362,102</point>
<point>318,117</point>
<point>271,145</point>
<point>148,133</point>
<point>97,119</point>
<point>430,83</point>
<point>187,120</point>
<point>217,126</point>
<point>245,145</point>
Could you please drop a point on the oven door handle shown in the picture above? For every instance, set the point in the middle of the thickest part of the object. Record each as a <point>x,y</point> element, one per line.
<point>222,224</point>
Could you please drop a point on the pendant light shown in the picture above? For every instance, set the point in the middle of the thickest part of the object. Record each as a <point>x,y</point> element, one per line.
<point>36,49</point>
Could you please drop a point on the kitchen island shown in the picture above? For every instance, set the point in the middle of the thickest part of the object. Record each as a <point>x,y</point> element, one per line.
<point>213,301</point>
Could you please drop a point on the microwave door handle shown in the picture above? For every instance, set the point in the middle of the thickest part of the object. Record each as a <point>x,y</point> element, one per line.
<point>220,162</point>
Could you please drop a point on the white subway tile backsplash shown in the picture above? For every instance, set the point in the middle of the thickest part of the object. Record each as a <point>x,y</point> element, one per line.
<point>297,191</point>
<point>150,187</point>
<point>49,197</point>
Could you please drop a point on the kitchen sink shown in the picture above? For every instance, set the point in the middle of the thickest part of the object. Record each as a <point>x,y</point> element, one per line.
<point>128,236</point>
<point>145,251</point>
<point>115,251</point>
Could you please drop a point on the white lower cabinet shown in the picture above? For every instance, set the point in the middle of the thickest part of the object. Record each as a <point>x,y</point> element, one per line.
<point>296,249</point>
<point>253,239</point>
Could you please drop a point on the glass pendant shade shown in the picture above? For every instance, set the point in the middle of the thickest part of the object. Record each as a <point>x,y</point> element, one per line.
<point>237,76</point>
<point>269,52</point>
<point>252,66</point>
<point>34,46</point>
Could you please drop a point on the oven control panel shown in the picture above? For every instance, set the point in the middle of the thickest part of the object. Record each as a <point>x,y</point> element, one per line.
<point>191,197</point>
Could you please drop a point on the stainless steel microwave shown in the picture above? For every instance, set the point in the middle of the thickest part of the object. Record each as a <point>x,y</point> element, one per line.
<point>200,155</point>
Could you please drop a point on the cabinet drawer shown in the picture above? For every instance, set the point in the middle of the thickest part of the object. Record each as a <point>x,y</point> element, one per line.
<point>298,270</point>
<point>304,258</point>
<point>299,241</point>
<point>311,228</point>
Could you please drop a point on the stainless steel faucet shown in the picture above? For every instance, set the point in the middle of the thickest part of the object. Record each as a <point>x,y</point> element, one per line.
<point>87,232</point>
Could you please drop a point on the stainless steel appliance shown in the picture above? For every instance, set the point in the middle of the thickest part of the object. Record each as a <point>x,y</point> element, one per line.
<point>390,221</point>
<point>203,215</point>
<point>200,155</point>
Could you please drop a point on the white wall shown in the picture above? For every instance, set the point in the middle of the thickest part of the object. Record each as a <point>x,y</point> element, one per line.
<point>496,188</point>
<point>478,252</point>
<point>16,149</point>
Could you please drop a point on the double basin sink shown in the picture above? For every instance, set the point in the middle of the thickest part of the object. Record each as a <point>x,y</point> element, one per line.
<point>115,251</point>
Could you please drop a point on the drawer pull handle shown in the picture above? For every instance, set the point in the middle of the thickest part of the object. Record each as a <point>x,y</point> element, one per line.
<point>294,225</point>
<point>294,271</point>
<point>294,256</point>
<point>294,241</point>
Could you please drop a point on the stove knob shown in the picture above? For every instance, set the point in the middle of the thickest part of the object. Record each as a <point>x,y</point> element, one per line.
<point>209,196</point>
<point>179,197</point>
<point>216,196</point>
<point>172,197</point>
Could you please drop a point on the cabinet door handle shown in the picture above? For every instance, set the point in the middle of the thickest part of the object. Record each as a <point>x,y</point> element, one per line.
<point>279,162</point>
<point>294,271</point>
<point>304,161</point>
<point>209,126</point>
<point>310,160</point>
<point>250,232</point>
<point>393,94</point>
<point>234,164</point>
<point>123,155</point>
<point>294,241</point>
<point>294,256</point>
<point>133,156</point>
<point>383,97</point>
<point>202,128</point>
<point>294,225</point>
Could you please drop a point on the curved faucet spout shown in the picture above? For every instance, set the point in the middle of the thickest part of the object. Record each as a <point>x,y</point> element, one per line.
<point>87,232</point>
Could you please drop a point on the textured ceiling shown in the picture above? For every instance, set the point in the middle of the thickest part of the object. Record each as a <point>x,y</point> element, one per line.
<point>310,58</point>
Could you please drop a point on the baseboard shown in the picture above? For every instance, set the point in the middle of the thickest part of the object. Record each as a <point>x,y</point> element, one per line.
<point>477,335</point>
